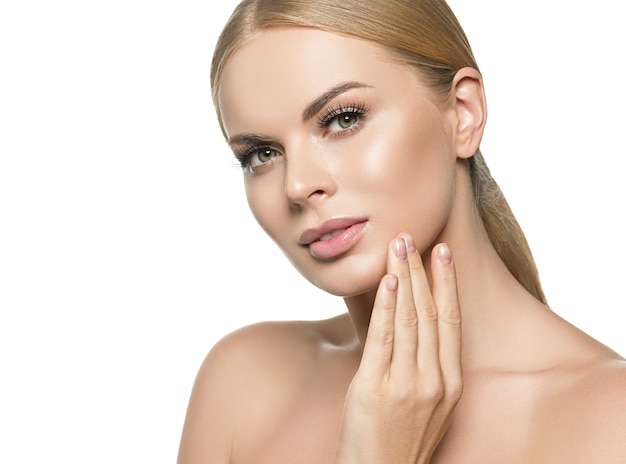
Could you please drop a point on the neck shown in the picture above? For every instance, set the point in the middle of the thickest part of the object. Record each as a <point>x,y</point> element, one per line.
<point>493,303</point>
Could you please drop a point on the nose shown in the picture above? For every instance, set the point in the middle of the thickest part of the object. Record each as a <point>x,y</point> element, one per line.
<point>308,178</point>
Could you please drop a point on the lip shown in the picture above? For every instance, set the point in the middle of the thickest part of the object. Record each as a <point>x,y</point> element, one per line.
<point>331,225</point>
<point>341,234</point>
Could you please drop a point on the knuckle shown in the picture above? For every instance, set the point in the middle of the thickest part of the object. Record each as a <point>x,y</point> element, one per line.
<point>403,273</point>
<point>383,337</point>
<point>451,315</point>
<point>432,392</point>
<point>448,275</point>
<point>428,310</point>
<point>416,265</point>
<point>454,390</point>
<point>388,305</point>
<point>403,395</point>
<point>407,316</point>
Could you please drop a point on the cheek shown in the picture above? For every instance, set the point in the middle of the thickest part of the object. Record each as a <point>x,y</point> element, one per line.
<point>406,176</point>
<point>403,158</point>
<point>264,199</point>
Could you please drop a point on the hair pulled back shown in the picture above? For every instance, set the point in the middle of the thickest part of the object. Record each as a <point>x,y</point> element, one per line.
<point>423,33</point>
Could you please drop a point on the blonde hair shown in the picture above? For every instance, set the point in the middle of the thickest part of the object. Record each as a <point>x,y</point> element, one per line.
<point>424,34</point>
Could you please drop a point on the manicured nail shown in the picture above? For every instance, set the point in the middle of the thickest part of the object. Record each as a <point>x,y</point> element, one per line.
<point>399,248</point>
<point>444,254</point>
<point>410,244</point>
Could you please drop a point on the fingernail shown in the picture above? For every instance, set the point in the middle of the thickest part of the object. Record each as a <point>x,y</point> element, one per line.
<point>444,254</point>
<point>399,248</point>
<point>410,244</point>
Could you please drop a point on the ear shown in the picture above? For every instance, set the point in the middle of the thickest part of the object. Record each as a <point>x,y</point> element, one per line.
<point>470,110</point>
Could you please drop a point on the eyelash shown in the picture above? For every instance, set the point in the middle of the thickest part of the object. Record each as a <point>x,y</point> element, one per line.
<point>359,109</point>
<point>324,121</point>
<point>243,156</point>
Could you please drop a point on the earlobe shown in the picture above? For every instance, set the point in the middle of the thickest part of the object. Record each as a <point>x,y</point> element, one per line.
<point>470,108</point>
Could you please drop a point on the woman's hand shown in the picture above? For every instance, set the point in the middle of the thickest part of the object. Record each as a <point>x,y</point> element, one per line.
<point>409,381</point>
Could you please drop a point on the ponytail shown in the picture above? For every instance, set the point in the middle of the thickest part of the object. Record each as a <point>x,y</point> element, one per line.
<point>503,229</point>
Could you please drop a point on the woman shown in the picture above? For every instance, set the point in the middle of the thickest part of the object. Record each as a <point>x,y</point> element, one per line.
<point>358,126</point>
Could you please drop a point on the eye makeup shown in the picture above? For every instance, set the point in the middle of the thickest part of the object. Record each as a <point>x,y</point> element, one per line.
<point>343,117</point>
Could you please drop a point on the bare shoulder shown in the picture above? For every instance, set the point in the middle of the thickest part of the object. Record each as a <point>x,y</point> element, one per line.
<point>585,417</point>
<point>254,373</point>
<point>604,391</point>
<point>276,351</point>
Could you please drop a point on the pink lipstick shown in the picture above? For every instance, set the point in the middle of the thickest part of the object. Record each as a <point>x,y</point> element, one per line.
<point>334,237</point>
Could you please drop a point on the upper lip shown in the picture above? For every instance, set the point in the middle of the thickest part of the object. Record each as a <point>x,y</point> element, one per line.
<point>311,235</point>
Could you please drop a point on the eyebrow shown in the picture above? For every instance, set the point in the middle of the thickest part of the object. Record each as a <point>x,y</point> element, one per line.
<point>249,140</point>
<point>316,106</point>
<point>309,112</point>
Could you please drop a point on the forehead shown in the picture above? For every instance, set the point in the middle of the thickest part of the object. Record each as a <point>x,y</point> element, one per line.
<point>288,67</point>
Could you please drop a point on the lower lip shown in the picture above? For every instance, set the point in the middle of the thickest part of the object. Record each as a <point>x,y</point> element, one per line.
<point>339,244</point>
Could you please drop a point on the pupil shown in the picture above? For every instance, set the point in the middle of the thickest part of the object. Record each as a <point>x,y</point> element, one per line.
<point>265,155</point>
<point>347,120</point>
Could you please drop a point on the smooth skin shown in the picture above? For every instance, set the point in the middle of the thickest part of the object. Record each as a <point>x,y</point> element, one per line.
<point>442,357</point>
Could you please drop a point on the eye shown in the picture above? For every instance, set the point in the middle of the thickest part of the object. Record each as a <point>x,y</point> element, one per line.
<point>261,156</point>
<point>256,157</point>
<point>342,119</point>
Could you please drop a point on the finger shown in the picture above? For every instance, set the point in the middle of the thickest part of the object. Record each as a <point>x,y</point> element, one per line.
<point>446,297</point>
<point>428,337</point>
<point>405,331</point>
<point>378,347</point>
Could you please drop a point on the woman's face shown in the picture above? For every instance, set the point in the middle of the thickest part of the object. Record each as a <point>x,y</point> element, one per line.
<point>342,149</point>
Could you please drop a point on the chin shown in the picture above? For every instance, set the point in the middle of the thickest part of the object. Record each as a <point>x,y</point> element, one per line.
<point>347,277</point>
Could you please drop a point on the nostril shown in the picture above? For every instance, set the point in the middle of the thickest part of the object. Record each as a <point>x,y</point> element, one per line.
<point>307,178</point>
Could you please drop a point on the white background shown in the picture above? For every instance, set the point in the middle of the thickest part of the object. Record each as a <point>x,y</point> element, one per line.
<point>126,247</point>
